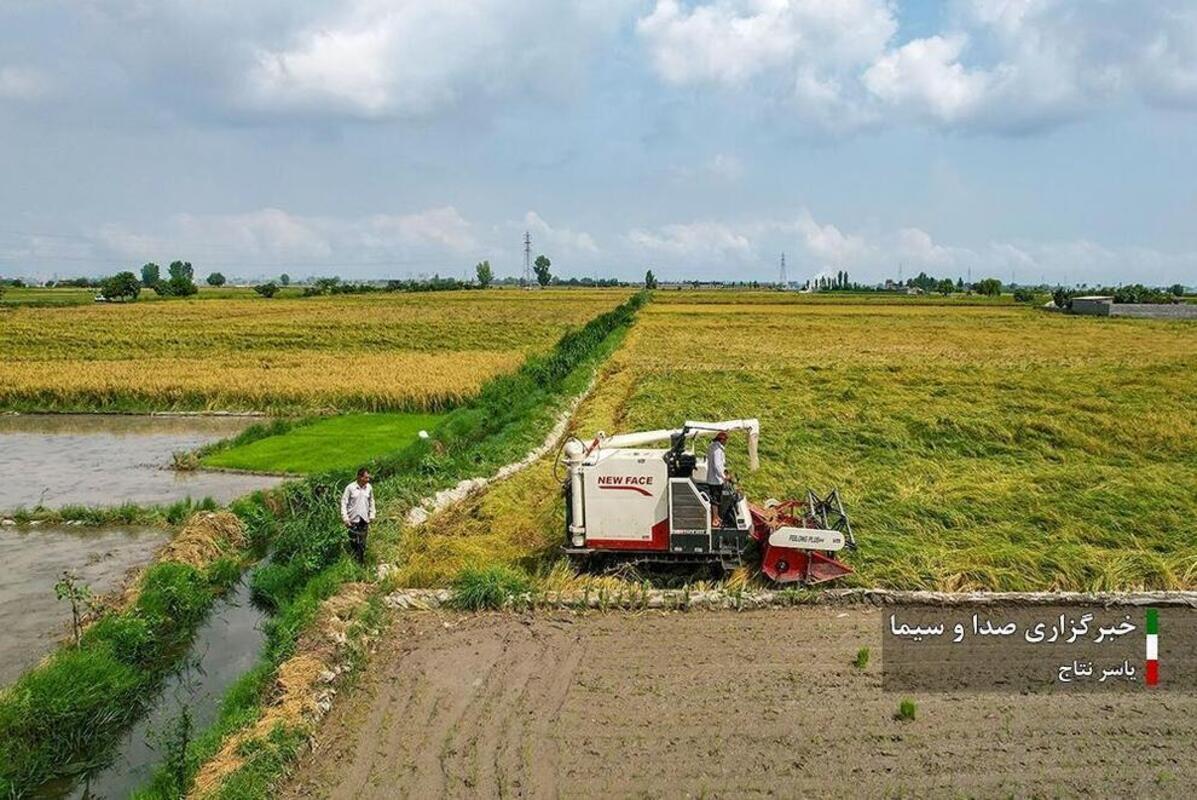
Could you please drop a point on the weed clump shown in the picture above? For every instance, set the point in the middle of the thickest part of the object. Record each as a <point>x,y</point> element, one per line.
<point>906,711</point>
<point>862,658</point>
<point>492,587</point>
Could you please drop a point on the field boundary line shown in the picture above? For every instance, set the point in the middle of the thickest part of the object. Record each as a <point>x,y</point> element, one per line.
<point>637,598</point>
<point>423,510</point>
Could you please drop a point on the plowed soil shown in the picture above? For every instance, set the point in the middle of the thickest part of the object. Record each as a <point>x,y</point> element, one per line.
<point>714,704</point>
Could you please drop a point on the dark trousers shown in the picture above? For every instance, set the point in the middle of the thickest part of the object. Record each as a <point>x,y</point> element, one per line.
<point>715,492</point>
<point>358,530</point>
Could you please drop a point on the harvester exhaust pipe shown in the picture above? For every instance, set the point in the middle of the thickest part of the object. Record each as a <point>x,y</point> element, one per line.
<point>575,451</point>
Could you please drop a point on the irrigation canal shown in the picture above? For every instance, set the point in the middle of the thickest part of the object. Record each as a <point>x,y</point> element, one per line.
<point>225,647</point>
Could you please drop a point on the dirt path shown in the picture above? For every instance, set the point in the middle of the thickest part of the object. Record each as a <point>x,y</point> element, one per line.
<point>713,704</point>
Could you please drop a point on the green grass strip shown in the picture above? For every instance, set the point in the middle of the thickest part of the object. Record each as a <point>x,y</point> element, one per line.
<point>336,443</point>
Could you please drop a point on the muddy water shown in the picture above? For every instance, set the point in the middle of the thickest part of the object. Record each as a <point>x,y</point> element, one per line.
<point>55,460</point>
<point>32,619</point>
<point>225,648</point>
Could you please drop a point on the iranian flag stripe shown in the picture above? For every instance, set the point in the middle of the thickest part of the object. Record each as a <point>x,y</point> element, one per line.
<point>1153,647</point>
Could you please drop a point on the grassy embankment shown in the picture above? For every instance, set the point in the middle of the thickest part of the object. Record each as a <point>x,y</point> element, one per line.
<point>977,447</point>
<point>393,352</point>
<point>62,717</point>
<point>313,446</point>
<point>125,514</point>
<point>258,732</point>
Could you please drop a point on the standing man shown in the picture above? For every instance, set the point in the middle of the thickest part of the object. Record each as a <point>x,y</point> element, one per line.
<point>717,475</point>
<point>357,512</point>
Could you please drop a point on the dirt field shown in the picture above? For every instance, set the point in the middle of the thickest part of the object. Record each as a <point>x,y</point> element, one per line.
<point>707,704</point>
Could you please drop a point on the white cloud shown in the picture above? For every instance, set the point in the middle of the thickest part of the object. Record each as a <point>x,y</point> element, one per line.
<point>926,77</point>
<point>376,59</point>
<point>998,65</point>
<point>439,227</point>
<point>561,243</point>
<point>729,42</point>
<point>23,83</point>
<point>828,245</point>
<point>707,241</point>
<point>255,242</point>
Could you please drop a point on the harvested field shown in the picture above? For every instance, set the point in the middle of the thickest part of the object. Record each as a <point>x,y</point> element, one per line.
<point>419,351</point>
<point>715,704</point>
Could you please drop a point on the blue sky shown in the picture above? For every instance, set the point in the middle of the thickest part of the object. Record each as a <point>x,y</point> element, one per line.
<point>1033,139</point>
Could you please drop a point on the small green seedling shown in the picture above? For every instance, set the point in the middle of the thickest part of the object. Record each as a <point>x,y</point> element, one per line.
<point>70,588</point>
<point>906,711</point>
<point>862,658</point>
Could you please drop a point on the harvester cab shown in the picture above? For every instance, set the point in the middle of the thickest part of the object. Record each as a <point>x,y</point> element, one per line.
<point>627,499</point>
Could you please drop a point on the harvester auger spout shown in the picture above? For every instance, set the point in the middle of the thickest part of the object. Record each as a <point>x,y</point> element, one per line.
<point>628,499</point>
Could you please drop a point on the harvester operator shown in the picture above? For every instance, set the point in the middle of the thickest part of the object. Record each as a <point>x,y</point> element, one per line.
<point>357,512</point>
<point>717,475</point>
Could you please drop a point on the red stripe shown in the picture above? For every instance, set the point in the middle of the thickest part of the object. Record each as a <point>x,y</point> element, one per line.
<point>633,488</point>
<point>659,540</point>
<point>1153,673</point>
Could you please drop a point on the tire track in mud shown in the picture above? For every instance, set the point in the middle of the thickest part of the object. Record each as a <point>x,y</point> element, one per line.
<point>456,713</point>
<point>717,704</point>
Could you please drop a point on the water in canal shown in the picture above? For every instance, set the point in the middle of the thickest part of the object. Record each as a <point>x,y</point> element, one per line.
<point>54,460</point>
<point>226,646</point>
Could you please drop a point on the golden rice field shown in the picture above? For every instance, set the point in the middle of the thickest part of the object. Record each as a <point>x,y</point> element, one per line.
<point>978,447</point>
<point>360,352</point>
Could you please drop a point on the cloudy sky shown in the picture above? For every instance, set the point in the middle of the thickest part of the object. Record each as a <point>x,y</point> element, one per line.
<point>1039,139</point>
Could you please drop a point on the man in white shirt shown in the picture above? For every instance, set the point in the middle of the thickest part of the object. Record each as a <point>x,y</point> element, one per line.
<point>717,474</point>
<point>357,512</point>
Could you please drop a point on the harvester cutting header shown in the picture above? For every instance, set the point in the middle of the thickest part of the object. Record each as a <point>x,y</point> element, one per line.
<point>627,501</point>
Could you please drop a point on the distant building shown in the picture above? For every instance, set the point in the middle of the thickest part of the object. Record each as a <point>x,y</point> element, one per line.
<point>1095,305</point>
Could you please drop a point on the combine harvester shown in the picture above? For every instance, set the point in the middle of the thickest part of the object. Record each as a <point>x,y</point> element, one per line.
<point>626,501</point>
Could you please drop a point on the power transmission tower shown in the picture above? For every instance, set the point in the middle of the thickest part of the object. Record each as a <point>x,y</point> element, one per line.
<point>527,260</point>
<point>781,281</point>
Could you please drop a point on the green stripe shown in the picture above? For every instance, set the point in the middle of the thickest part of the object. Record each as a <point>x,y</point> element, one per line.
<point>1153,621</point>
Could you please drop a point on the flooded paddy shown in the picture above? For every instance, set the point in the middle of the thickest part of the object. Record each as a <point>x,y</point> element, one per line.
<point>55,460</point>
<point>32,618</point>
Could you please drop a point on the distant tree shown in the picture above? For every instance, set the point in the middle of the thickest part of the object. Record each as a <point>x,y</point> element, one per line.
<point>485,274</point>
<point>121,286</point>
<point>181,269</point>
<point>267,289</point>
<point>323,286</point>
<point>541,267</point>
<point>960,284</point>
<point>1176,290</point>
<point>650,280</point>
<point>284,280</point>
<point>1062,298</point>
<point>180,283</point>
<point>990,287</point>
<point>945,286</point>
<point>150,274</point>
<point>216,279</point>
<point>1023,294</point>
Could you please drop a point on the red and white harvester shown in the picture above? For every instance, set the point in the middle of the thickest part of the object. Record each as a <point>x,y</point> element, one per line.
<point>628,501</point>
